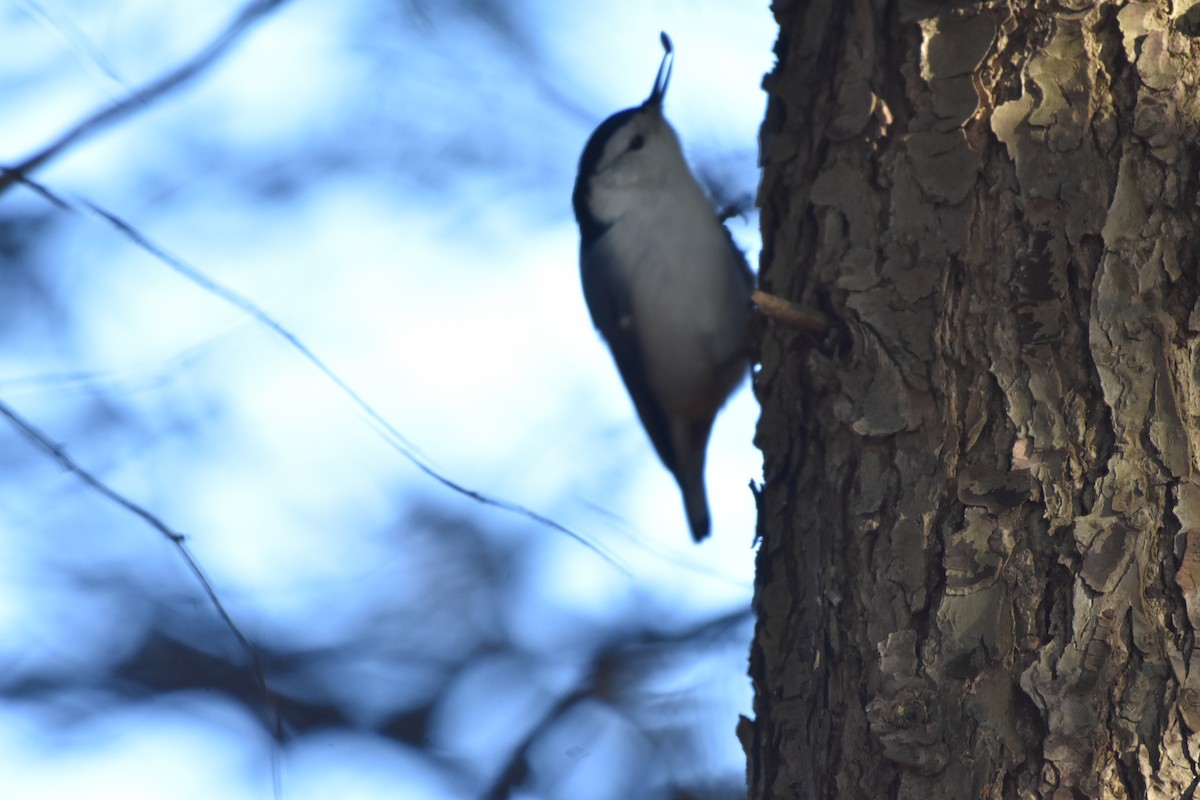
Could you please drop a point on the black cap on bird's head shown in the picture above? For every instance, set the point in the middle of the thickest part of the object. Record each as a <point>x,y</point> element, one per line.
<point>622,132</point>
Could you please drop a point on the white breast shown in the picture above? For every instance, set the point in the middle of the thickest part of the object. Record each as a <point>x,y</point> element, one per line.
<point>690,303</point>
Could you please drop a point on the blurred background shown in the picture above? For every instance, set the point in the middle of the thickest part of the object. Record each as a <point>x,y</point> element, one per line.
<point>389,181</point>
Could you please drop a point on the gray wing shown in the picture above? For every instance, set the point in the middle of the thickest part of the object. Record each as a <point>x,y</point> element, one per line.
<point>612,314</point>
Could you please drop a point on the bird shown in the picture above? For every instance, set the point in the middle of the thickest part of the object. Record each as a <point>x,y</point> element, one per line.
<point>665,284</point>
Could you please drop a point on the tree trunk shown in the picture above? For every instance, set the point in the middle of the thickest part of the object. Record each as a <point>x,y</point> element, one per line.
<point>980,565</point>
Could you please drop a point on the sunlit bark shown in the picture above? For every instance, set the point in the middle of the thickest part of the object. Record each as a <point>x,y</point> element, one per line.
<point>980,568</point>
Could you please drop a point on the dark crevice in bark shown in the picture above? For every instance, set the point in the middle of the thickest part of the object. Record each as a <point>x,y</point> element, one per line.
<point>887,79</point>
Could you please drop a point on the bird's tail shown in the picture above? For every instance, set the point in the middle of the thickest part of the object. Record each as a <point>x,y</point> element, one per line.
<point>689,440</point>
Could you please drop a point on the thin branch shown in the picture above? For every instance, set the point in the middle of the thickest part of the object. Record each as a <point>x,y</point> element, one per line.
<point>172,80</point>
<point>75,38</point>
<point>128,378</point>
<point>189,69</point>
<point>386,430</point>
<point>59,455</point>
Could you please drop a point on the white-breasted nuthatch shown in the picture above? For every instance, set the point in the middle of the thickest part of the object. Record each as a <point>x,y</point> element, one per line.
<point>664,283</point>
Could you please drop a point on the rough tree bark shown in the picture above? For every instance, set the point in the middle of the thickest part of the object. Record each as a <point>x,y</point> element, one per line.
<point>980,563</point>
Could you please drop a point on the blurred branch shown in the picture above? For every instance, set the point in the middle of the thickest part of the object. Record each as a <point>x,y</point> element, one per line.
<point>128,378</point>
<point>141,98</point>
<point>607,676</point>
<point>386,430</point>
<point>59,455</point>
<point>61,22</point>
<point>513,774</point>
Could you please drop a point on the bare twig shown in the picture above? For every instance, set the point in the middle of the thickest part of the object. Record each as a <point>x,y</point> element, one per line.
<point>76,38</point>
<point>386,430</point>
<point>172,80</point>
<point>59,455</point>
<point>791,314</point>
<point>189,69</point>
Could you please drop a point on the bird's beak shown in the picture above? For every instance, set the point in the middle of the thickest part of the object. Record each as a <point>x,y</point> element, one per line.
<point>664,74</point>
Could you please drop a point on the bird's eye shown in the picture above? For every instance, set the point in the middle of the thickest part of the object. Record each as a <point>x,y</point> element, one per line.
<point>637,142</point>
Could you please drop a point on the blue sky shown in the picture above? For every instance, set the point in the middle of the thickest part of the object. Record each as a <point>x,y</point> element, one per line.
<point>389,181</point>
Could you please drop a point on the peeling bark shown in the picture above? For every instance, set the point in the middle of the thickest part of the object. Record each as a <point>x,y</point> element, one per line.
<point>980,564</point>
